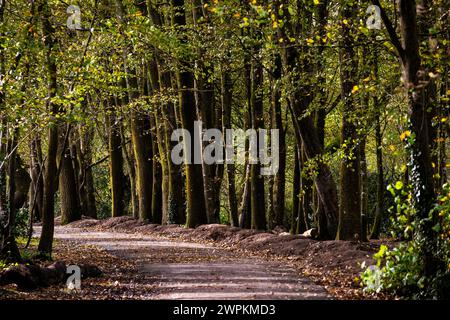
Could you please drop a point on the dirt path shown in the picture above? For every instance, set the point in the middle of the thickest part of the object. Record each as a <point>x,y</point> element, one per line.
<point>173,269</point>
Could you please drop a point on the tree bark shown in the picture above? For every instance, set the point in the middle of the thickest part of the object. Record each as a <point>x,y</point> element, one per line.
<point>280,177</point>
<point>195,211</point>
<point>257,180</point>
<point>46,240</point>
<point>68,191</point>
<point>116,175</point>
<point>37,181</point>
<point>140,137</point>
<point>226,99</point>
<point>350,190</point>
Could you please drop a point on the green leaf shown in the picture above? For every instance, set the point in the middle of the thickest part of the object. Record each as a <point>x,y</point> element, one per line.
<point>399,185</point>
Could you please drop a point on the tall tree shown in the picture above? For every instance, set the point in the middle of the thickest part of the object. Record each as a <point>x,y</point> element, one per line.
<point>349,209</point>
<point>140,125</point>
<point>415,80</point>
<point>257,180</point>
<point>196,211</point>
<point>49,39</point>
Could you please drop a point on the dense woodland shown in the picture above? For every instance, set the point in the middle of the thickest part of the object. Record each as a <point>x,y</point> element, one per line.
<point>358,90</point>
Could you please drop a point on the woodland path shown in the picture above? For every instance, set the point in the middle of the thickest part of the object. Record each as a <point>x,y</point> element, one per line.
<point>187,270</point>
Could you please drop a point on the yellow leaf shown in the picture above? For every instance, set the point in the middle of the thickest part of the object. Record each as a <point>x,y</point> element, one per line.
<point>310,41</point>
<point>405,134</point>
<point>355,89</point>
<point>316,2</point>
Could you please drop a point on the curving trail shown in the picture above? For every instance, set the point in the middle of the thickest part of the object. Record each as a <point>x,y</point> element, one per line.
<point>175,269</point>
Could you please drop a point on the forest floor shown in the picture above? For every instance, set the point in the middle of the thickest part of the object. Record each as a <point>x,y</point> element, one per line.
<point>147,261</point>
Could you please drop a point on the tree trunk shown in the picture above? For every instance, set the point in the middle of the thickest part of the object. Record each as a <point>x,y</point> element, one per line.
<point>195,211</point>
<point>375,233</point>
<point>299,100</point>
<point>140,137</point>
<point>46,240</point>
<point>116,175</point>
<point>257,180</point>
<point>68,191</point>
<point>280,177</point>
<point>37,181</point>
<point>3,123</point>
<point>86,184</point>
<point>307,183</point>
<point>130,161</point>
<point>9,246</point>
<point>350,190</point>
<point>157,178</point>
<point>421,171</point>
<point>226,99</point>
<point>245,208</point>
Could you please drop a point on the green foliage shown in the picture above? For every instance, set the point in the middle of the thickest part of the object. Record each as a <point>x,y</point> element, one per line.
<point>401,273</point>
<point>21,223</point>
<point>5,265</point>
<point>401,216</point>
<point>401,270</point>
<point>224,216</point>
<point>441,211</point>
<point>102,188</point>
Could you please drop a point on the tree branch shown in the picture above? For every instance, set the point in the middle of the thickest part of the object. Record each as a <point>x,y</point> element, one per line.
<point>390,30</point>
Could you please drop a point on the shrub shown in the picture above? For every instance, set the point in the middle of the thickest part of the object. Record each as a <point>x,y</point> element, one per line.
<point>401,270</point>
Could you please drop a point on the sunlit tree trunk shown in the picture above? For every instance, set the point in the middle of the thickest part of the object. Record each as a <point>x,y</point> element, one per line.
<point>46,240</point>
<point>226,99</point>
<point>195,211</point>
<point>140,137</point>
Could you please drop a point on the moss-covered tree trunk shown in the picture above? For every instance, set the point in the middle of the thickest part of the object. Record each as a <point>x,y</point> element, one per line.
<point>195,211</point>
<point>350,201</point>
<point>46,240</point>
<point>226,100</point>
<point>140,135</point>
<point>418,146</point>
